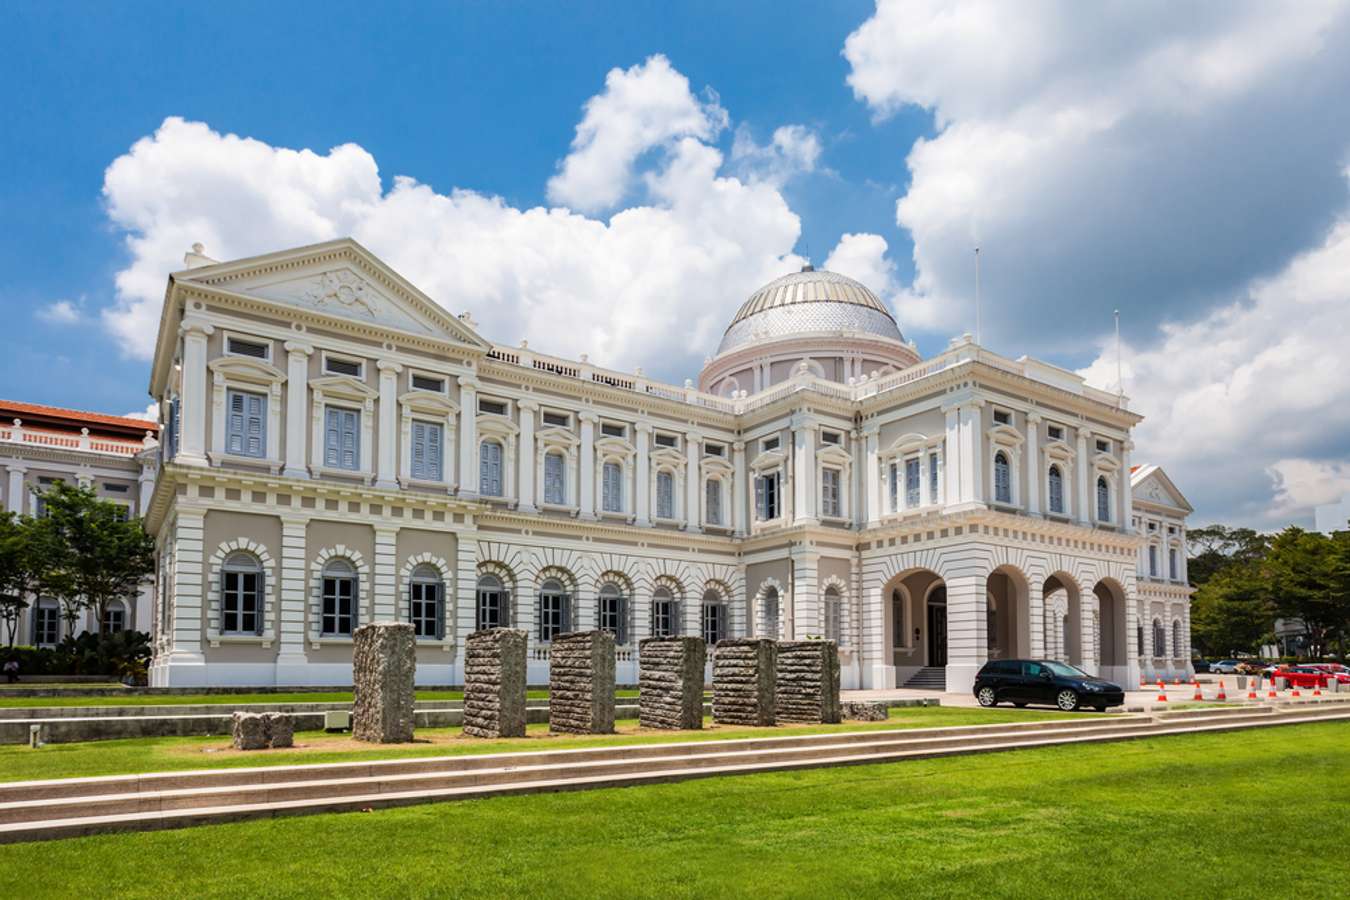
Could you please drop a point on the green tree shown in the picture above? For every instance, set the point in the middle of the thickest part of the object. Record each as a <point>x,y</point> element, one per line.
<point>1231,612</point>
<point>27,551</point>
<point>101,556</point>
<point>1216,547</point>
<point>1307,575</point>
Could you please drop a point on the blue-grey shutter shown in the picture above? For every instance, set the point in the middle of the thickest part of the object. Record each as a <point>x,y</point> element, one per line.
<point>665,495</point>
<point>234,426</point>
<point>490,469</point>
<point>761,500</point>
<point>932,478</point>
<point>713,501</point>
<point>419,450</point>
<point>351,450</point>
<point>434,454</point>
<point>554,490</point>
<point>332,440</point>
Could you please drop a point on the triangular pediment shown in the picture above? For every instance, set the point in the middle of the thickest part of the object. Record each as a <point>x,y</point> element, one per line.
<point>1150,484</point>
<point>340,279</point>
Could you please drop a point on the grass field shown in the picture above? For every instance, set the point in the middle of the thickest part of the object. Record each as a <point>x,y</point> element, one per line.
<point>114,699</point>
<point>19,763</point>
<point>1184,816</point>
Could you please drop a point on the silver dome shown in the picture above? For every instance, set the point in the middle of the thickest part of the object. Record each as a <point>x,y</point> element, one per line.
<point>806,302</point>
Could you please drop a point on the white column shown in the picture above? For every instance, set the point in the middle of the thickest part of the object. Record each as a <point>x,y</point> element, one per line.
<point>804,471</point>
<point>1033,468</point>
<point>951,456</point>
<point>586,493</point>
<point>14,491</point>
<point>468,437</point>
<point>187,666</point>
<point>806,617</point>
<point>1127,492</point>
<point>1036,618</point>
<point>146,486</point>
<point>973,449</point>
<point>385,606</point>
<point>525,480</point>
<point>872,478</point>
<point>1081,482</point>
<point>386,475</point>
<point>966,650</point>
<point>1087,633</point>
<point>192,451</point>
<point>297,396</point>
<point>291,661</point>
<point>739,486</point>
<point>693,479</point>
<point>642,489</point>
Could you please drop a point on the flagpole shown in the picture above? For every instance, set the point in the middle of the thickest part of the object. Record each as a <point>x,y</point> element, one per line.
<point>977,297</point>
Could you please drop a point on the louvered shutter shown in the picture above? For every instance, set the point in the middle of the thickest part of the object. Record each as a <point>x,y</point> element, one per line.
<point>255,425</point>
<point>761,508</point>
<point>332,439</point>
<point>434,455</point>
<point>419,449</point>
<point>235,426</point>
<point>351,451</point>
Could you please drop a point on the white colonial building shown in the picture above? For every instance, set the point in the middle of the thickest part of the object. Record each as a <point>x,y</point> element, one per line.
<point>339,450</point>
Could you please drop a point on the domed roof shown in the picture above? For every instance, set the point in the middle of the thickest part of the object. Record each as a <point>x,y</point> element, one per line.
<point>805,302</point>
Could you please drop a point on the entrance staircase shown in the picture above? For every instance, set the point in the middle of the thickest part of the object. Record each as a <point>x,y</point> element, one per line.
<point>929,678</point>
<point>40,810</point>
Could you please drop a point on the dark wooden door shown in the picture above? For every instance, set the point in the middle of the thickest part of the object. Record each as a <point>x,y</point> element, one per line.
<point>937,634</point>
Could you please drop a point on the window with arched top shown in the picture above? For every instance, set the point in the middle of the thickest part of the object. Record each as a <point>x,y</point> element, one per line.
<point>665,614</point>
<point>490,483</point>
<point>714,617</point>
<point>339,599</point>
<point>114,617</point>
<point>1103,499</point>
<point>611,613</point>
<point>1056,492</point>
<point>1159,639</point>
<point>769,605</point>
<point>555,608</point>
<point>1176,637</point>
<point>241,594</point>
<point>1002,478</point>
<point>492,604</point>
<point>834,614</point>
<point>1139,640</point>
<point>426,602</point>
<point>555,479</point>
<point>665,495</point>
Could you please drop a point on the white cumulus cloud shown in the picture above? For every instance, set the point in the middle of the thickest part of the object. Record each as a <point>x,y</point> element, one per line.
<point>60,312</point>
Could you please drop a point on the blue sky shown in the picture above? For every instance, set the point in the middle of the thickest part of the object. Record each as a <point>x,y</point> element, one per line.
<point>595,177</point>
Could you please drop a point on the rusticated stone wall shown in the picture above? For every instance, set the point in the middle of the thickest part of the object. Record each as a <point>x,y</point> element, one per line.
<point>581,683</point>
<point>670,682</point>
<point>743,681</point>
<point>808,682</point>
<point>384,662</point>
<point>494,683</point>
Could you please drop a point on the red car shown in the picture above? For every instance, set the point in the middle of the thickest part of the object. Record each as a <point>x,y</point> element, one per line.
<point>1333,670</point>
<point>1303,677</point>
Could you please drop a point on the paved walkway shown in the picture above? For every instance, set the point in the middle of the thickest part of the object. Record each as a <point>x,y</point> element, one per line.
<point>1146,699</point>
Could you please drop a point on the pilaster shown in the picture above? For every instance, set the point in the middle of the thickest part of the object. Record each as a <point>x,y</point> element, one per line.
<point>739,488</point>
<point>966,638</point>
<point>642,436</point>
<point>14,490</point>
<point>804,500</point>
<point>386,474</point>
<point>294,600</point>
<point>693,452</point>
<point>1082,469</point>
<point>872,477</point>
<point>807,620</point>
<point>525,480</point>
<point>297,398</point>
<point>192,451</point>
<point>1127,492</point>
<point>1033,468</point>
<point>586,479</point>
<point>385,607</point>
<point>468,437</point>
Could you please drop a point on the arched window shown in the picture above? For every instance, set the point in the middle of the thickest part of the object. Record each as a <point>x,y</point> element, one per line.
<point>714,617</point>
<point>114,617</point>
<point>1176,637</point>
<point>339,598</point>
<point>1002,478</point>
<point>555,606</point>
<point>712,502</point>
<point>555,478</point>
<point>770,607</point>
<point>611,487</point>
<point>490,469</point>
<point>241,594</point>
<point>611,612</point>
<point>1056,493</point>
<point>492,604</point>
<point>1103,499</point>
<point>665,495</point>
<point>1159,639</point>
<point>426,602</point>
<point>834,615</point>
<point>665,615</point>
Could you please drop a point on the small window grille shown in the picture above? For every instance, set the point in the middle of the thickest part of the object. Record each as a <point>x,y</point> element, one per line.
<point>1056,432</point>
<point>116,488</point>
<point>1103,446</point>
<point>557,419</point>
<point>612,429</point>
<point>334,366</point>
<point>714,450</point>
<point>237,347</point>
<point>666,440</point>
<point>769,443</point>
<point>1002,417</point>
<point>491,407</point>
<point>425,383</point>
<point>831,437</point>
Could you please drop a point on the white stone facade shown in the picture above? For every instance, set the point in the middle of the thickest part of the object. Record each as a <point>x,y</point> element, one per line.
<point>341,451</point>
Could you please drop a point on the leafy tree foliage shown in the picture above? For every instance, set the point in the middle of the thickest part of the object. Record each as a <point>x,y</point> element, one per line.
<point>27,549</point>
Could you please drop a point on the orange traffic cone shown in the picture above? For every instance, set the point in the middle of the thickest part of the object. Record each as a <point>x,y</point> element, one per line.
<point>1317,690</point>
<point>1251,691</point>
<point>1222,694</point>
<point>1271,695</point>
<point>1198,695</point>
<point>1295,693</point>
<point>1162,694</point>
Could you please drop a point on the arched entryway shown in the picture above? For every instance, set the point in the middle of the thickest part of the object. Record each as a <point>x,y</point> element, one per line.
<point>1063,618</point>
<point>915,616</point>
<point>1113,631</point>
<point>1007,617</point>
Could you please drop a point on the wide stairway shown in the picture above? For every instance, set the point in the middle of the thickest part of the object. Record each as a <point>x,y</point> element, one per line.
<point>929,678</point>
<point>38,810</point>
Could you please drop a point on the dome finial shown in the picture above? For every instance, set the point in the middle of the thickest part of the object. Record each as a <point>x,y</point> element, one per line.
<point>807,267</point>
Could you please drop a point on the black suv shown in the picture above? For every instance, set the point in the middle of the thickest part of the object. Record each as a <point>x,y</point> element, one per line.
<point>1023,681</point>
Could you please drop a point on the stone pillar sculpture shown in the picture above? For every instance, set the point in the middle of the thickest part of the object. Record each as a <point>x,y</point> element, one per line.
<point>384,659</point>
<point>581,683</point>
<point>807,682</point>
<point>670,682</point>
<point>743,681</point>
<point>494,683</point>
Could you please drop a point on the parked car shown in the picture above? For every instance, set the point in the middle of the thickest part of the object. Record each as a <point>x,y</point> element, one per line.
<point>1333,671</point>
<point>1200,666</point>
<point>1225,667</point>
<point>1303,676</point>
<point>1044,681</point>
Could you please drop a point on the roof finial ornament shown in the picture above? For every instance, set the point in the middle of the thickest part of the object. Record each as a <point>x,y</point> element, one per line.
<point>196,257</point>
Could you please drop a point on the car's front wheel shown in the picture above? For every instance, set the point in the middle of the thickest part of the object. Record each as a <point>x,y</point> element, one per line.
<point>1067,700</point>
<point>987,697</point>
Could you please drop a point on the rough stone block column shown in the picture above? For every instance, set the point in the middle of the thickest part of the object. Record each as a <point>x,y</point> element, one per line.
<point>807,682</point>
<point>280,730</point>
<point>864,710</point>
<point>581,683</point>
<point>248,731</point>
<point>743,681</point>
<point>384,660</point>
<point>494,683</point>
<point>670,683</point>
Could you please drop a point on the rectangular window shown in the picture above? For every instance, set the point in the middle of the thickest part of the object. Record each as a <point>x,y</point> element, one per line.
<point>912,483</point>
<point>336,366</point>
<point>714,450</point>
<point>1153,561</point>
<point>490,469</point>
<point>1103,446</point>
<point>342,439</point>
<point>116,488</point>
<point>666,440</point>
<point>893,477</point>
<point>424,609</point>
<point>491,407</point>
<point>831,437</point>
<point>246,424</point>
<point>712,501</point>
<point>557,419</point>
<point>834,618</point>
<point>613,429</point>
<point>665,495</point>
<point>240,606</point>
<point>769,443</point>
<point>339,606</point>
<point>829,493</point>
<point>766,497</point>
<point>664,618</point>
<point>1002,417</point>
<point>1172,563</point>
<point>428,443</point>
<point>46,625</point>
<point>491,608</point>
<point>555,479</point>
<point>933,481</point>
<point>552,615</point>
<point>611,615</point>
<point>1055,432</point>
<point>255,349</point>
<point>714,623</point>
<point>114,619</point>
<point>122,512</point>
<point>427,383</point>
<point>611,489</point>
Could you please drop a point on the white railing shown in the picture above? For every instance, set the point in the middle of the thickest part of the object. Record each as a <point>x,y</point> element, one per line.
<point>18,433</point>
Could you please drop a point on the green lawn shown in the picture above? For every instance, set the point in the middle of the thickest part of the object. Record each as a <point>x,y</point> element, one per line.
<point>1184,816</point>
<point>19,763</point>
<point>229,699</point>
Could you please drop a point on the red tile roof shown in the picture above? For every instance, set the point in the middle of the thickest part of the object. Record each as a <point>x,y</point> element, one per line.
<point>17,409</point>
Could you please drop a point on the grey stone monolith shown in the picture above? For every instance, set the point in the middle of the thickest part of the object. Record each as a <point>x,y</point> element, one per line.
<point>743,681</point>
<point>494,683</point>
<point>280,730</point>
<point>864,710</point>
<point>384,663</point>
<point>670,682</point>
<point>581,683</point>
<point>249,731</point>
<point>807,687</point>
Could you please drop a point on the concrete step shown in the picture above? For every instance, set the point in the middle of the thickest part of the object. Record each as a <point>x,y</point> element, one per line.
<point>193,803</point>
